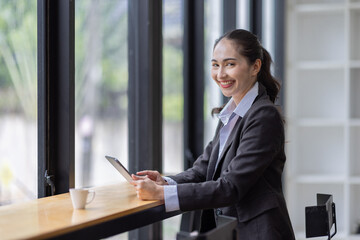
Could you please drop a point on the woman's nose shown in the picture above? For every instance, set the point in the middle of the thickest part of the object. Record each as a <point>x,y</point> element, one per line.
<point>221,73</point>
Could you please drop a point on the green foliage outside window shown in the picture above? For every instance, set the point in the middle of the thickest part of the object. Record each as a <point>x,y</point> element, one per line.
<point>18,57</point>
<point>101,58</point>
<point>173,102</point>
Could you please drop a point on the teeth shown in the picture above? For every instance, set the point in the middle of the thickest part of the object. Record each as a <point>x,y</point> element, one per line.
<point>226,83</point>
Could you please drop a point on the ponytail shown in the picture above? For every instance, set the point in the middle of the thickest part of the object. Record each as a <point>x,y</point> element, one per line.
<point>265,78</point>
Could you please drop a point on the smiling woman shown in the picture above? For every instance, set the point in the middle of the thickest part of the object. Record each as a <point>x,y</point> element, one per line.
<point>239,173</point>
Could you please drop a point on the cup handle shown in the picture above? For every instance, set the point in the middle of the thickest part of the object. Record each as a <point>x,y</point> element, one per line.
<point>92,198</point>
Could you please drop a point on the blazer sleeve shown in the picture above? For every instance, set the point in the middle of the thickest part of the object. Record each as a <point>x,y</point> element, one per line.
<point>260,140</point>
<point>197,173</point>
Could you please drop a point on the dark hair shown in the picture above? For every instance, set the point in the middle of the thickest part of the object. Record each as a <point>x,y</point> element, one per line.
<point>249,46</point>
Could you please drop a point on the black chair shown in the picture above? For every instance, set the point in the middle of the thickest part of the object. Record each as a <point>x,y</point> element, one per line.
<point>319,219</point>
<point>225,230</point>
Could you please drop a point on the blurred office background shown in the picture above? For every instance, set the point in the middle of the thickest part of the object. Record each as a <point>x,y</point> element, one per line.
<point>314,45</point>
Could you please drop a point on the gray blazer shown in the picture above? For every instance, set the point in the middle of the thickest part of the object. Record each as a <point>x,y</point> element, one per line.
<point>246,182</point>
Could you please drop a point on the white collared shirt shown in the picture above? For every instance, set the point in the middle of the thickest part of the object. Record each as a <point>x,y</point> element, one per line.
<point>228,116</point>
<point>231,113</point>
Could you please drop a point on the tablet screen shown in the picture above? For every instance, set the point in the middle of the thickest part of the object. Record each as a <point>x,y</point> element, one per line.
<point>117,164</point>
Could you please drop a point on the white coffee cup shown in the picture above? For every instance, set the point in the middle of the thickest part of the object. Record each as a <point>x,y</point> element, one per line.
<point>79,197</point>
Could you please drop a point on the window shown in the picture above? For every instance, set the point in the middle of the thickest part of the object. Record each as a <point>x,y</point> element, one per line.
<point>243,14</point>
<point>213,95</point>
<point>18,101</point>
<point>173,98</point>
<point>101,81</point>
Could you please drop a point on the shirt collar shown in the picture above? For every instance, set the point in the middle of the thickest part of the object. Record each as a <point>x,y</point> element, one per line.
<point>241,108</point>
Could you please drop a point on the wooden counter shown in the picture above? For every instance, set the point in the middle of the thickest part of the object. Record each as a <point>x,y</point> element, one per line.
<point>115,206</point>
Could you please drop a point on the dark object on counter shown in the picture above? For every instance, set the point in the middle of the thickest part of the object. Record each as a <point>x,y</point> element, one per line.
<point>319,219</point>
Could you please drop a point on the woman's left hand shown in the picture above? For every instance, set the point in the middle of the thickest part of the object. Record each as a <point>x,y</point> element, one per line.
<point>146,189</point>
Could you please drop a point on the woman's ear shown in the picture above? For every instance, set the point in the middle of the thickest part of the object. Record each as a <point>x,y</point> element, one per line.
<point>256,67</point>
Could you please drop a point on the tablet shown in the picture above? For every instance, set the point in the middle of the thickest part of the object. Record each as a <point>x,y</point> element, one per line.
<point>117,164</point>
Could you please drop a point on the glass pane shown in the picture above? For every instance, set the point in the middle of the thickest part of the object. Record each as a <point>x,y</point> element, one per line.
<point>243,14</point>
<point>173,99</point>
<point>101,77</point>
<point>18,101</point>
<point>213,95</point>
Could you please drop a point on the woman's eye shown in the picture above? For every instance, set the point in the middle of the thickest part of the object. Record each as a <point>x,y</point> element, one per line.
<point>215,65</point>
<point>230,64</point>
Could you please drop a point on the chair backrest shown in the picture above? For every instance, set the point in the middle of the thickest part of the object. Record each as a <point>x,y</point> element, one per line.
<point>225,230</point>
<point>320,219</point>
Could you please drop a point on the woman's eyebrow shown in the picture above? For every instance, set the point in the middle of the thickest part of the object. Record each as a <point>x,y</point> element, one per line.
<point>225,59</point>
<point>229,59</point>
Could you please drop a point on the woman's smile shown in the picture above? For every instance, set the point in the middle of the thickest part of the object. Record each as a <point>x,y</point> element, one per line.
<point>226,84</point>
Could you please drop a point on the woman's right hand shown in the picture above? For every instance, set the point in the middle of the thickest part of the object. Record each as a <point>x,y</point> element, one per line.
<point>153,175</point>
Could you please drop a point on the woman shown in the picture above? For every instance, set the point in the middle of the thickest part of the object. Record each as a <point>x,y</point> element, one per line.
<point>239,172</point>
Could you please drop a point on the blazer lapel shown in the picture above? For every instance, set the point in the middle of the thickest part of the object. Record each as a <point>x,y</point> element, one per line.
<point>213,158</point>
<point>227,145</point>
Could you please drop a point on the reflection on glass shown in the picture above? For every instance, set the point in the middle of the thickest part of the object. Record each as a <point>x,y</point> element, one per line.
<point>101,77</point>
<point>212,95</point>
<point>18,101</point>
<point>173,98</point>
<point>243,14</point>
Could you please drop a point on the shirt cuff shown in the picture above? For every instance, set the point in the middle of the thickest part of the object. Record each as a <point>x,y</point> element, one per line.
<point>171,198</point>
<point>170,181</point>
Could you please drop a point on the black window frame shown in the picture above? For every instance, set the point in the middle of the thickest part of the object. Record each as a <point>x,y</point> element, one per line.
<point>145,94</point>
<point>193,65</point>
<point>56,84</point>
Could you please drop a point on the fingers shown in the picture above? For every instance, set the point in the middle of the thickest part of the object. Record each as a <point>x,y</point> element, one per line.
<point>135,177</point>
<point>145,189</point>
<point>144,172</point>
<point>140,191</point>
<point>134,183</point>
<point>151,173</point>
<point>139,183</point>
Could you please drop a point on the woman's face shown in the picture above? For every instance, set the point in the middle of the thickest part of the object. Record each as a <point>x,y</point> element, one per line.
<point>231,71</point>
